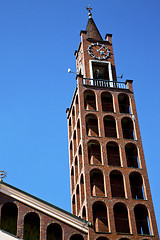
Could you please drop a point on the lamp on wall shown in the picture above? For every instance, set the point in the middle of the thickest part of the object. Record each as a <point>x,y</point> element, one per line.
<point>69,71</point>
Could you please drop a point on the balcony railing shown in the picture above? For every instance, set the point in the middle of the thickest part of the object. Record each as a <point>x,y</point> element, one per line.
<point>103,83</point>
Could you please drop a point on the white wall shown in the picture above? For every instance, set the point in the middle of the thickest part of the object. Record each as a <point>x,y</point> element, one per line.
<point>5,236</point>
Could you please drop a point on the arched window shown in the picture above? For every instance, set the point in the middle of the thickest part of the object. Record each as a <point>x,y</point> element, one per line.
<point>136,184</point>
<point>142,220</point>
<point>123,101</point>
<point>54,231</point>
<point>73,116</point>
<point>73,205</point>
<point>82,189</point>
<point>72,178</point>
<point>70,127</point>
<point>110,127</point>
<point>9,213</point>
<point>84,213</point>
<point>89,100</point>
<point>97,183</point>
<point>78,132</point>
<point>80,158</point>
<point>71,152</point>
<point>121,218</point>
<point>117,186</point>
<point>127,128</point>
<point>107,102</point>
<point>76,237</point>
<point>77,106</point>
<point>113,154</point>
<point>100,217</point>
<point>31,226</point>
<point>78,199</point>
<point>92,125</point>
<point>132,155</point>
<point>76,168</point>
<point>74,140</point>
<point>94,153</point>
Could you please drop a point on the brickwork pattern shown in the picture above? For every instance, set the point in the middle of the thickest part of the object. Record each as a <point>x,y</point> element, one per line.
<point>45,220</point>
<point>84,199</point>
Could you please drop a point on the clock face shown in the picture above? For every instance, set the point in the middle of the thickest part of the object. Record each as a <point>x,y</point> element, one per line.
<point>98,51</point>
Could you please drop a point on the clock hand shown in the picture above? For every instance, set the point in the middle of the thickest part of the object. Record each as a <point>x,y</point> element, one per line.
<point>99,49</point>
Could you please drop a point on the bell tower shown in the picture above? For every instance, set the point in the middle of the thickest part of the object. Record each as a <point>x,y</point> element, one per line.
<point>109,181</point>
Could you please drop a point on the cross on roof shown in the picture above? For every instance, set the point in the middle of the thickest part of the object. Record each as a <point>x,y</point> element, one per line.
<point>3,174</point>
<point>89,10</point>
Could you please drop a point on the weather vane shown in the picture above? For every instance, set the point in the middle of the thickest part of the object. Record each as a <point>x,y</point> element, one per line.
<point>3,174</point>
<point>89,10</point>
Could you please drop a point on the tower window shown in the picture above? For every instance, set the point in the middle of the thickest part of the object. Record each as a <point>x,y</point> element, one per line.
<point>101,70</point>
<point>97,183</point>
<point>71,153</point>
<point>72,178</point>
<point>110,127</point>
<point>78,199</point>
<point>77,106</point>
<point>94,153</point>
<point>73,117</point>
<point>113,154</point>
<point>73,205</point>
<point>92,125</point>
<point>142,220</point>
<point>70,127</point>
<point>76,168</point>
<point>84,213</point>
<point>107,102</point>
<point>117,186</point>
<point>74,140</point>
<point>127,128</point>
<point>121,218</point>
<point>123,101</point>
<point>82,189</point>
<point>80,158</point>
<point>89,100</point>
<point>100,217</point>
<point>136,184</point>
<point>78,131</point>
<point>132,155</point>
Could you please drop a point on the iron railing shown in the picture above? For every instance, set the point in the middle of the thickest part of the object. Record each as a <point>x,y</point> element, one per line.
<point>104,83</point>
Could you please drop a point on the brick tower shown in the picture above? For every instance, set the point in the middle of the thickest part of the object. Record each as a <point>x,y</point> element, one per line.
<point>109,181</point>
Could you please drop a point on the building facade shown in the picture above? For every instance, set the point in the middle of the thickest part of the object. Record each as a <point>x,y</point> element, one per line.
<point>109,181</point>
<point>24,216</point>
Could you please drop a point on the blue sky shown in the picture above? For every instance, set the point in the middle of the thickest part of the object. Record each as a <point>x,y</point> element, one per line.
<point>37,44</point>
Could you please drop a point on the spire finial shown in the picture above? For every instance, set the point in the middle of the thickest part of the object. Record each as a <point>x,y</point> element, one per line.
<point>89,11</point>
